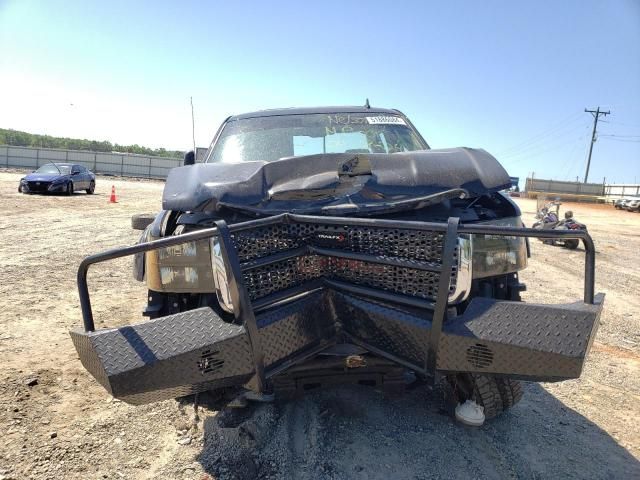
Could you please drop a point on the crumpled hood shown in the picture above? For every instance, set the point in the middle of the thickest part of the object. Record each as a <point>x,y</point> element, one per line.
<point>301,183</point>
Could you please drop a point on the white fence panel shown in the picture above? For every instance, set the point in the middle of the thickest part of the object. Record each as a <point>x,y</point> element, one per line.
<point>110,158</point>
<point>137,167</point>
<point>21,162</point>
<point>626,190</point>
<point>23,152</point>
<point>85,158</point>
<point>47,156</point>
<point>557,186</point>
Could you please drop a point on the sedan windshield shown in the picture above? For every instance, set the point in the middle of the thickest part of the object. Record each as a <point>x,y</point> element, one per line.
<point>272,138</point>
<point>52,169</point>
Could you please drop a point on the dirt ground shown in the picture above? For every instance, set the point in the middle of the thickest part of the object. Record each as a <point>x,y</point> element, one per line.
<point>57,422</point>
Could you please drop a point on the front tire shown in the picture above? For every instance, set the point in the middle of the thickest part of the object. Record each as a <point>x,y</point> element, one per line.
<point>494,394</point>
<point>92,188</point>
<point>511,392</point>
<point>487,394</point>
<point>70,188</point>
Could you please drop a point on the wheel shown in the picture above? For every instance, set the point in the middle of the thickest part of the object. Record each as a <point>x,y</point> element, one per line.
<point>70,188</point>
<point>487,394</point>
<point>140,221</point>
<point>510,391</point>
<point>19,188</point>
<point>92,188</point>
<point>571,244</point>
<point>494,394</point>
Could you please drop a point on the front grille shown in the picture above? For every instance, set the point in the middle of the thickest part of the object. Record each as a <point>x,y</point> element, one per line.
<point>419,252</point>
<point>262,281</point>
<point>38,186</point>
<point>389,242</point>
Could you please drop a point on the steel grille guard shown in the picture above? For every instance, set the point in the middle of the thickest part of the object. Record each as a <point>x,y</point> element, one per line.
<point>196,351</point>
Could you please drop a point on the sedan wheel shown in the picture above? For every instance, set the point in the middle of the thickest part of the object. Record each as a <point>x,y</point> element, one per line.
<point>70,188</point>
<point>92,188</point>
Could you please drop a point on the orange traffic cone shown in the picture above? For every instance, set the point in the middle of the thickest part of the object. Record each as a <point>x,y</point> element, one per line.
<point>112,199</point>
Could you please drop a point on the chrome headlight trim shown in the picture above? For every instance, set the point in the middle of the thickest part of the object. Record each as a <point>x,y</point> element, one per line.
<point>220,278</point>
<point>464,270</point>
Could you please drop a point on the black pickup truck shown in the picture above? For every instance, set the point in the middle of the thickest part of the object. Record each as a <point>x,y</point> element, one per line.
<point>326,245</point>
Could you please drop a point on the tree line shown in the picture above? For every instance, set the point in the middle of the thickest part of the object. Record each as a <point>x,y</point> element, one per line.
<point>24,139</point>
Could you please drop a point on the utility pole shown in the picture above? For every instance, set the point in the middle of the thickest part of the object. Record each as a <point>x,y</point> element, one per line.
<point>596,114</point>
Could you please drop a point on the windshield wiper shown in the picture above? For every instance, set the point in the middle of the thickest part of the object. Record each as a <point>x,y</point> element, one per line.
<point>413,203</point>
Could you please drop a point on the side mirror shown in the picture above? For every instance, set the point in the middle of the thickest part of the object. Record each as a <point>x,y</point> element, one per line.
<point>75,172</point>
<point>189,158</point>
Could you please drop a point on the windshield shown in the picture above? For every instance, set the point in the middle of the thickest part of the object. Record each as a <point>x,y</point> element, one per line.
<point>52,169</point>
<point>272,138</point>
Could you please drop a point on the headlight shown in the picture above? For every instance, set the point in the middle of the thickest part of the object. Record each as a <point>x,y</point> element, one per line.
<point>220,277</point>
<point>498,254</point>
<point>185,267</point>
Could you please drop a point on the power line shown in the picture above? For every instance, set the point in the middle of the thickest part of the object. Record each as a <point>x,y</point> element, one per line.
<point>539,136</point>
<point>618,136</point>
<point>555,138</point>
<point>528,155</point>
<point>596,115</point>
<point>558,141</point>
<point>623,140</point>
<point>574,156</point>
<point>613,122</point>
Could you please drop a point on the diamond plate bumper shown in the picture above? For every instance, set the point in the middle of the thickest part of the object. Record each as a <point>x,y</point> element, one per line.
<point>323,303</point>
<point>195,351</point>
<point>520,340</point>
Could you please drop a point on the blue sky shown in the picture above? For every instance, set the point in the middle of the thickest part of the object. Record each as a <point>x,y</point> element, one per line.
<point>510,77</point>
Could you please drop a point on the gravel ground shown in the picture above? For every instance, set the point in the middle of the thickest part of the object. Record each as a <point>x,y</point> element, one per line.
<point>56,422</point>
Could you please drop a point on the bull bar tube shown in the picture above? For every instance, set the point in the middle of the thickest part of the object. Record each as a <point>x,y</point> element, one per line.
<point>195,350</point>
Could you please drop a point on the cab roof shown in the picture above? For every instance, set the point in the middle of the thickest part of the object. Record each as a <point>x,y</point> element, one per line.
<point>311,110</point>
